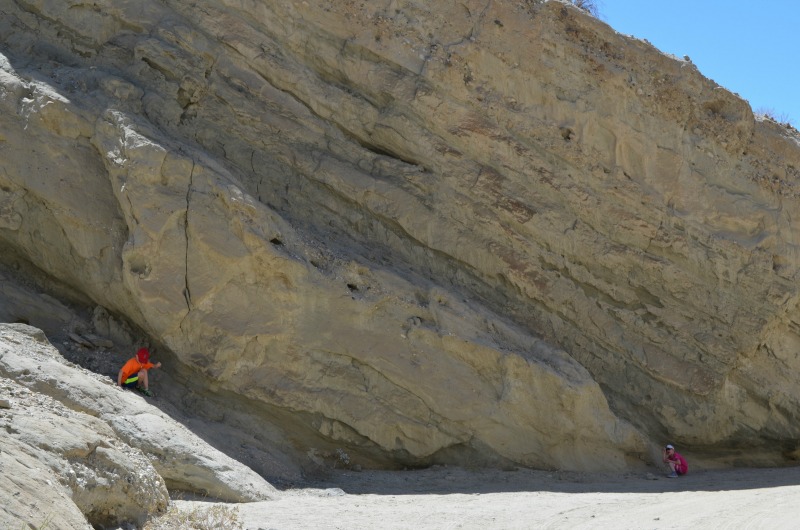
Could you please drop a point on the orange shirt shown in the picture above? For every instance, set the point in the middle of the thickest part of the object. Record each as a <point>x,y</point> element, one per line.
<point>133,366</point>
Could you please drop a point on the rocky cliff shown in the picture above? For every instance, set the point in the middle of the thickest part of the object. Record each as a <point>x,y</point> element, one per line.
<point>486,231</point>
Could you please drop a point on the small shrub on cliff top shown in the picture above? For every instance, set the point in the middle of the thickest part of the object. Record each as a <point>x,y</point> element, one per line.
<point>770,114</point>
<point>215,517</point>
<point>590,6</point>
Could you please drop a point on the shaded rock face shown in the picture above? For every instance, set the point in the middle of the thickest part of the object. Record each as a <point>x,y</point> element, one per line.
<point>492,231</point>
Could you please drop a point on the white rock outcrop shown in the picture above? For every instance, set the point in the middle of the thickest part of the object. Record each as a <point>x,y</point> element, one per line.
<point>92,451</point>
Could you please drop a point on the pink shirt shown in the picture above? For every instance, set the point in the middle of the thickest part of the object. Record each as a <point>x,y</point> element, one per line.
<point>681,467</point>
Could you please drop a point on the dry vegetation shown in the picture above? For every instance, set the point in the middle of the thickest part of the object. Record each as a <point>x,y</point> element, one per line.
<point>213,517</point>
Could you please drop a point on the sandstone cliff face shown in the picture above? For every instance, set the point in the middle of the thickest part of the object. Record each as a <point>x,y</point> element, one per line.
<point>487,230</point>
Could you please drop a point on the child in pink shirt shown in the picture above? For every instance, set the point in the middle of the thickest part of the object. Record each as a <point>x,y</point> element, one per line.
<point>675,461</point>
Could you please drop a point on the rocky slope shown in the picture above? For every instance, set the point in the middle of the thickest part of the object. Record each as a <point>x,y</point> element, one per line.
<point>78,451</point>
<point>493,232</point>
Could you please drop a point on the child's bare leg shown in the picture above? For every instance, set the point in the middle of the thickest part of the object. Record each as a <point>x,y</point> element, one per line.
<point>143,379</point>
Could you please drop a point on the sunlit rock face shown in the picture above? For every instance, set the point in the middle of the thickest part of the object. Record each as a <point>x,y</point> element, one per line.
<point>495,233</point>
<point>105,456</point>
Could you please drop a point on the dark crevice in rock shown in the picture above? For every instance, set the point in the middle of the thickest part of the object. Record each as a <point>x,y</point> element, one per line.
<point>187,293</point>
<point>378,150</point>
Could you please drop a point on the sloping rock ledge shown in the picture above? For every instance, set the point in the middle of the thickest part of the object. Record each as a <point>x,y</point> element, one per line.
<point>77,451</point>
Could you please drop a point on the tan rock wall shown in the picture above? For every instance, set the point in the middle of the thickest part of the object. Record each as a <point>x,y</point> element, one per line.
<point>462,226</point>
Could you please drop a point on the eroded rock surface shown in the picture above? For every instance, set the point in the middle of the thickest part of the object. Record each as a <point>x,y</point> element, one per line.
<point>487,231</point>
<point>105,453</point>
<point>63,468</point>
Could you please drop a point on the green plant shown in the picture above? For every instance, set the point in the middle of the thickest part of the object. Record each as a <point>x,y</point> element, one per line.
<point>214,517</point>
<point>342,458</point>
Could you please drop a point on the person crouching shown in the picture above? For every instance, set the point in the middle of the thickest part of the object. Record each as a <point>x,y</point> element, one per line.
<point>133,374</point>
<point>676,462</point>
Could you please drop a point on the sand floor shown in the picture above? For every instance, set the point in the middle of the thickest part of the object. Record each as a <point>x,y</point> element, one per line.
<point>449,498</point>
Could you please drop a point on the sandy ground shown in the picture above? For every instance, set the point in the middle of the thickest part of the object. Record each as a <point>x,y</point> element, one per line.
<point>449,498</point>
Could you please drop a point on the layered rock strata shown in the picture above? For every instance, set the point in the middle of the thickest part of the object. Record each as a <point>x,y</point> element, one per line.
<point>478,230</point>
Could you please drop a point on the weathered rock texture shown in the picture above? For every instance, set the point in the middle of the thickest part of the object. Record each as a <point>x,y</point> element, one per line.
<point>63,468</point>
<point>429,231</point>
<point>76,448</point>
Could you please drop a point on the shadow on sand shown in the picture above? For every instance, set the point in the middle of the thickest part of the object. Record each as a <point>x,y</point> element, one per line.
<point>442,480</point>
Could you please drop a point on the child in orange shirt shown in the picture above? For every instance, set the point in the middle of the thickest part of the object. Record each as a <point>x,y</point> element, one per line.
<point>134,373</point>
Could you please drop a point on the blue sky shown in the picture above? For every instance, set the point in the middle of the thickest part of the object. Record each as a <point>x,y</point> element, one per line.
<point>750,47</point>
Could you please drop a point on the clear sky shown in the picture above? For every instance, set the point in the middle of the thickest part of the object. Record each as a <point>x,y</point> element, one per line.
<point>750,47</point>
